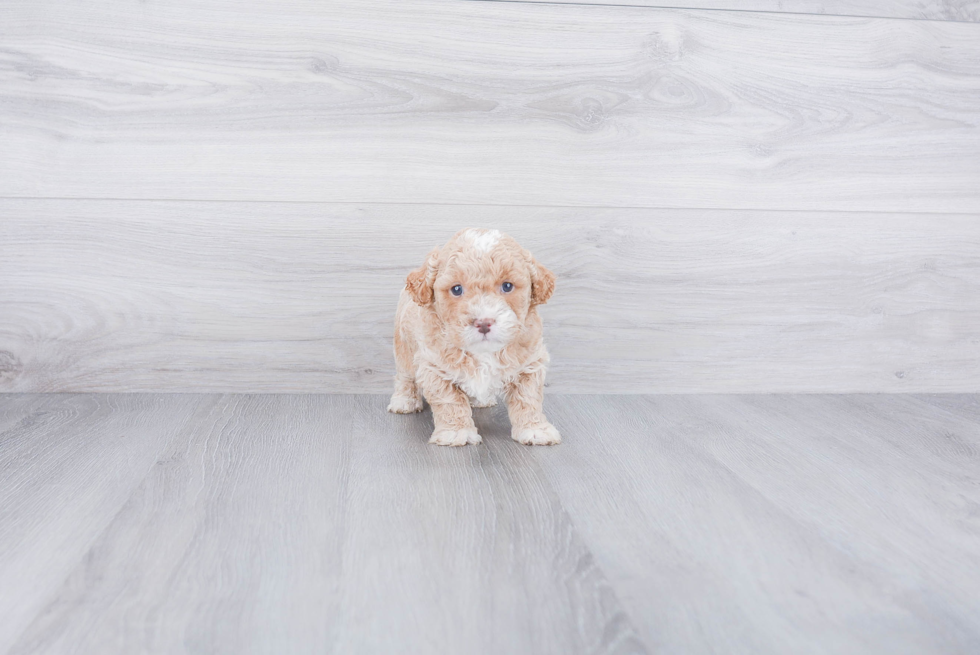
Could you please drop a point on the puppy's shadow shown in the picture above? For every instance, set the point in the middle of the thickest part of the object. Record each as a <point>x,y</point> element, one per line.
<point>492,422</point>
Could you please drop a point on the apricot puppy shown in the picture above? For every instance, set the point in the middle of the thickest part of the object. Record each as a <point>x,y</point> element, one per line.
<point>467,330</point>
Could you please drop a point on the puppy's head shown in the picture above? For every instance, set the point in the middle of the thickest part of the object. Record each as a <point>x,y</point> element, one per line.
<point>481,287</point>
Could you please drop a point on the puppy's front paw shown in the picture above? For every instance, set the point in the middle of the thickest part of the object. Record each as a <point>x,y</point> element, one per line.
<point>455,437</point>
<point>404,404</point>
<point>538,435</point>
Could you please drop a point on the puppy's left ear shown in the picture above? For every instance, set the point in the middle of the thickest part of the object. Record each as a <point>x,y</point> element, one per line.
<point>542,282</point>
<point>420,281</point>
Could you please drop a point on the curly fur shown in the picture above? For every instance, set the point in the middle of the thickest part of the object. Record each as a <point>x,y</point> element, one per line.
<point>442,355</point>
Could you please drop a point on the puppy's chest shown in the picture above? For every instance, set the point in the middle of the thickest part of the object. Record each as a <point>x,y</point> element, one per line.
<point>485,381</point>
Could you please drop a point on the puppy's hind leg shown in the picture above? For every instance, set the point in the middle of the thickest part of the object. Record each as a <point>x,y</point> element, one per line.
<point>407,398</point>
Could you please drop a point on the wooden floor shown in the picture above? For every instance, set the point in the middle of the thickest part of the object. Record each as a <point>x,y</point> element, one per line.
<point>153,523</point>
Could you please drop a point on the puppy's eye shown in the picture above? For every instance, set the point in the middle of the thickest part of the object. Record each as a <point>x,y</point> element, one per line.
<point>507,287</point>
<point>457,290</point>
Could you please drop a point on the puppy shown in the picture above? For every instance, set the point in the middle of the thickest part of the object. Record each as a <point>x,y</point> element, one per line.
<point>467,330</point>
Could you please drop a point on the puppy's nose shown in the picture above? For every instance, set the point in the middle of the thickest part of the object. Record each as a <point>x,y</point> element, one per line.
<point>483,324</point>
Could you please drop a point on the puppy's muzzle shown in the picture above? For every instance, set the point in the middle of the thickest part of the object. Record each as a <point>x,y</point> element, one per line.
<point>483,325</point>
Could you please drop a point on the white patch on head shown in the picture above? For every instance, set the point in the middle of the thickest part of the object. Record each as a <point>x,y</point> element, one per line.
<point>482,240</point>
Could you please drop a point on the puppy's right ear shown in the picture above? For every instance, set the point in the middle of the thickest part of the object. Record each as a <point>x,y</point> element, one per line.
<point>421,281</point>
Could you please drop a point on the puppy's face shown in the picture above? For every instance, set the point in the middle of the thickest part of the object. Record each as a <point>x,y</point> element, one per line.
<point>481,286</point>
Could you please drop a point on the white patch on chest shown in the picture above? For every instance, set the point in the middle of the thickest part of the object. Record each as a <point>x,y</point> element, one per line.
<point>483,240</point>
<point>487,382</point>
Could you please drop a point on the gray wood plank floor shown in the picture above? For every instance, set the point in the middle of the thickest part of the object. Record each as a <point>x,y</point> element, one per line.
<point>678,524</point>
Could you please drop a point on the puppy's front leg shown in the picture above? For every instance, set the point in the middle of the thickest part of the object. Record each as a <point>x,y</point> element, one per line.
<point>450,410</point>
<point>525,397</point>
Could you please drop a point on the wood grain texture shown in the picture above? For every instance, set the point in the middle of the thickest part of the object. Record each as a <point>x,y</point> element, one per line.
<point>157,296</point>
<point>460,550</point>
<point>955,10</point>
<point>14,409</point>
<point>230,545</point>
<point>960,405</point>
<point>321,524</point>
<point>775,524</point>
<point>68,464</point>
<point>500,103</point>
<point>673,524</point>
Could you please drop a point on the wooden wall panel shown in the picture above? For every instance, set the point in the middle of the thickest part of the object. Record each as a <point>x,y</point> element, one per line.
<point>954,10</point>
<point>487,103</point>
<point>211,296</point>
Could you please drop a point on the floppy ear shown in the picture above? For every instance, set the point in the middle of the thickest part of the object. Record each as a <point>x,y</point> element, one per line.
<point>420,281</point>
<point>542,282</point>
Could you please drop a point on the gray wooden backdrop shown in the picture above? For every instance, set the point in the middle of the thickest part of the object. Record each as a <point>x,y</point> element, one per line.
<point>957,10</point>
<point>226,195</point>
